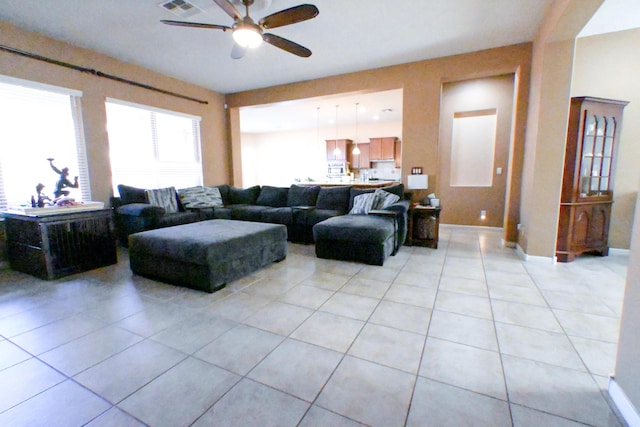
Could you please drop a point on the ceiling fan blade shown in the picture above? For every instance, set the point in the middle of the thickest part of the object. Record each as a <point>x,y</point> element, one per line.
<point>229,9</point>
<point>238,51</point>
<point>287,45</point>
<point>289,16</point>
<point>195,25</point>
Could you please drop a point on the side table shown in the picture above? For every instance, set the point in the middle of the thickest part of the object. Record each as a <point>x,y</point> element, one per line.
<point>424,224</point>
<point>58,245</point>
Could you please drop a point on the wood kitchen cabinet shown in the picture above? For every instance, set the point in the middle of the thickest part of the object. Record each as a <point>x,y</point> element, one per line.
<point>384,149</point>
<point>360,161</point>
<point>341,144</point>
<point>585,205</point>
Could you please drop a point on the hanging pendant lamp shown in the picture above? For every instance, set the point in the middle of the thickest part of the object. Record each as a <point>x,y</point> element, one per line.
<point>336,151</point>
<point>356,150</point>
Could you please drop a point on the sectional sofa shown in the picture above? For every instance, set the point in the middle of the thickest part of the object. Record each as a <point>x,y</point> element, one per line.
<point>298,207</point>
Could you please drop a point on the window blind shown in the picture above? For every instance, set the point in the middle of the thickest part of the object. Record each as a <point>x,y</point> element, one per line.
<point>38,122</point>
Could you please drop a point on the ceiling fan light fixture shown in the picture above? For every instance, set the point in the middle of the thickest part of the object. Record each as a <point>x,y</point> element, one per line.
<point>247,35</point>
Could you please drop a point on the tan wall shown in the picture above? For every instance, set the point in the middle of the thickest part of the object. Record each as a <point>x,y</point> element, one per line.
<point>607,66</point>
<point>421,83</point>
<point>547,123</point>
<point>95,90</point>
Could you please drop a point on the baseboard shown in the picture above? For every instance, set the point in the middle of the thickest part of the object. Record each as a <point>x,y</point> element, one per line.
<point>624,405</point>
<point>532,258</point>
<point>618,251</point>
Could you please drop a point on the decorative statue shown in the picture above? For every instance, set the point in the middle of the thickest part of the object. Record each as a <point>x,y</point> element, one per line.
<point>63,181</point>
<point>41,197</point>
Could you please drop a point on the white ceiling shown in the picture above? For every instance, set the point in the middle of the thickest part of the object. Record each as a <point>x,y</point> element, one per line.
<point>346,36</point>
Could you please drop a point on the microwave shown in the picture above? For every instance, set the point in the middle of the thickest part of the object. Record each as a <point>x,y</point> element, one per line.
<point>337,169</point>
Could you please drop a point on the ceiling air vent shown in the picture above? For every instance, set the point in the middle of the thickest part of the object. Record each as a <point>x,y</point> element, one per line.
<point>181,8</point>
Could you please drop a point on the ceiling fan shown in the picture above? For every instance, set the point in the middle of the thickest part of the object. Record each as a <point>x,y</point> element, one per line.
<point>248,34</point>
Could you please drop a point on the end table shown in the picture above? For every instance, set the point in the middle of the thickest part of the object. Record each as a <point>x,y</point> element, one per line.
<point>424,223</point>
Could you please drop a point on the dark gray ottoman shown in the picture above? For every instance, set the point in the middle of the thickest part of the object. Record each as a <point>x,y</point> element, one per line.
<point>365,238</point>
<point>206,255</point>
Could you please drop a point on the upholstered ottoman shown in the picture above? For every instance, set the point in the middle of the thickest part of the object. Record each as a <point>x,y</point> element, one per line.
<point>365,238</point>
<point>206,255</point>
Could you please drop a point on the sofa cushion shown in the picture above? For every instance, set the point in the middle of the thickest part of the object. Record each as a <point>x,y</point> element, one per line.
<point>277,215</point>
<point>397,189</point>
<point>334,198</point>
<point>130,194</point>
<point>224,192</point>
<point>144,210</point>
<point>247,212</point>
<point>300,195</point>
<point>200,197</point>
<point>165,197</point>
<point>275,197</point>
<point>247,196</point>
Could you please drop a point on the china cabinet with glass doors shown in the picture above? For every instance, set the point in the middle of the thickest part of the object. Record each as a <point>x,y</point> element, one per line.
<point>587,187</point>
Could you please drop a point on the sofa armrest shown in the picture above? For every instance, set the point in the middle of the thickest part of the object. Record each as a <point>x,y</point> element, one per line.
<point>141,209</point>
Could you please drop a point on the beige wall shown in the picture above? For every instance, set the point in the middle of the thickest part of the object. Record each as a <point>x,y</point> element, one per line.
<point>547,123</point>
<point>96,89</point>
<point>421,83</point>
<point>608,66</point>
<point>627,374</point>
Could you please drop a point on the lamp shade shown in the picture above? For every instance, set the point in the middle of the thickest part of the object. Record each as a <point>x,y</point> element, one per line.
<point>418,182</point>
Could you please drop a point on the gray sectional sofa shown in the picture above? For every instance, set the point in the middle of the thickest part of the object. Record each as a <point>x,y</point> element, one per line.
<point>297,207</point>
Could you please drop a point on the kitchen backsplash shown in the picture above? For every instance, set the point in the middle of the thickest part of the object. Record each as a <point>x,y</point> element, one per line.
<point>383,170</point>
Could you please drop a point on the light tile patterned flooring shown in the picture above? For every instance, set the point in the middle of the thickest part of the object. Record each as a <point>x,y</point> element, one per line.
<point>463,335</point>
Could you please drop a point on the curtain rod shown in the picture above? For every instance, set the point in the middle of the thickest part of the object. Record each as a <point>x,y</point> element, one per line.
<point>96,73</point>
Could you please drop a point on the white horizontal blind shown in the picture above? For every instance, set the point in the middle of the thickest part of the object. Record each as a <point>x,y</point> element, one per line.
<point>150,148</point>
<point>35,124</point>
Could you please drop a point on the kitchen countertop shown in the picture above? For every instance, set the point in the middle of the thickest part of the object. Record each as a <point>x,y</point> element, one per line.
<point>355,184</point>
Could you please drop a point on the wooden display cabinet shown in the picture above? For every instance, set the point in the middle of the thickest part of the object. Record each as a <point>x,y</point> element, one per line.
<point>361,161</point>
<point>585,207</point>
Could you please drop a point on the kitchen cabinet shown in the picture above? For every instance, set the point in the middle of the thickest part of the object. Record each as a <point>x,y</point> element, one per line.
<point>586,199</point>
<point>341,144</point>
<point>398,154</point>
<point>383,148</point>
<point>360,161</point>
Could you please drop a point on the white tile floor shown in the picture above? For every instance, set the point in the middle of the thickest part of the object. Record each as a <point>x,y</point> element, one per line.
<point>463,335</point>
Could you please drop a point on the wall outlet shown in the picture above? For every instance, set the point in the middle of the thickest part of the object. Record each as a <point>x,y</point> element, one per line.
<point>483,214</point>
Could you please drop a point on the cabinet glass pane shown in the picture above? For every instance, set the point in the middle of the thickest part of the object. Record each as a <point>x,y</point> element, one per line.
<point>590,125</point>
<point>608,146</point>
<point>604,184</point>
<point>600,125</point>
<point>595,185</point>
<point>599,146</point>
<point>611,126</point>
<point>584,186</point>
<point>597,164</point>
<point>606,166</point>
<point>585,166</point>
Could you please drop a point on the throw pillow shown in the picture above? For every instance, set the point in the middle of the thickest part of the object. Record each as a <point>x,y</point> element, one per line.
<point>275,197</point>
<point>130,195</point>
<point>300,195</point>
<point>384,199</point>
<point>362,204</point>
<point>200,197</point>
<point>164,197</point>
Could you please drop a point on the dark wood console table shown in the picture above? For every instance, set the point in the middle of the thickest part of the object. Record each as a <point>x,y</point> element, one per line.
<point>53,246</point>
<point>424,225</point>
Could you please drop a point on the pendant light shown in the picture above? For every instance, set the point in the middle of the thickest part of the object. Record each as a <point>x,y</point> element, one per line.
<point>336,151</point>
<point>356,150</point>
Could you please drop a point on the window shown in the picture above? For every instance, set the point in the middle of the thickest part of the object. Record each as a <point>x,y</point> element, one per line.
<point>38,122</point>
<point>151,148</point>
